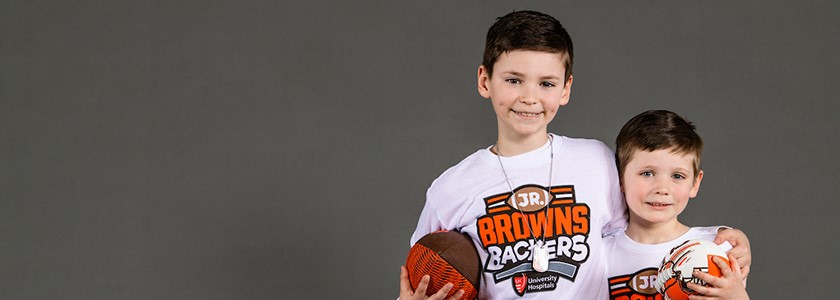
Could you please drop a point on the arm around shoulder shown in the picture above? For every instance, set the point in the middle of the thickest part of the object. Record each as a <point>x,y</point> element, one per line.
<point>740,247</point>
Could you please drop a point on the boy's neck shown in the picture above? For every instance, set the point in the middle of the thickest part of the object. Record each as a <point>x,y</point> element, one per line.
<point>655,233</point>
<point>512,146</point>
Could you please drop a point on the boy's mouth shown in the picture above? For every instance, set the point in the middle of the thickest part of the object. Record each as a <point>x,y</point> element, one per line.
<point>657,204</point>
<point>526,114</point>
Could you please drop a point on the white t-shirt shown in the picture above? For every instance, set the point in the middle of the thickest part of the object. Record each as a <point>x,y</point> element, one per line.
<point>633,266</point>
<point>474,197</point>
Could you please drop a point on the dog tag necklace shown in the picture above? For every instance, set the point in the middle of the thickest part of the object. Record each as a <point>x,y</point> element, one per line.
<point>539,249</point>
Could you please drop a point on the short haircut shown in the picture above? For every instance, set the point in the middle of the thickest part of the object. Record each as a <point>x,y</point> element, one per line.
<point>528,30</point>
<point>657,130</point>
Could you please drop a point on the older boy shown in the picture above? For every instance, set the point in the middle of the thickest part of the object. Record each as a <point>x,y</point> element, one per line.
<point>535,204</point>
<point>658,155</point>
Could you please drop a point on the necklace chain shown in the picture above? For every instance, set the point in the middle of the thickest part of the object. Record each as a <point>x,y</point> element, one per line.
<point>548,187</point>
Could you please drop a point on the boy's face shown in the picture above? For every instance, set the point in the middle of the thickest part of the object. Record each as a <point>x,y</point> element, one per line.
<point>657,185</point>
<point>526,89</point>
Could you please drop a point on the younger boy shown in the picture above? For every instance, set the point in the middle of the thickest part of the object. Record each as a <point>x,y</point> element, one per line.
<point>535,204</point>
<point>658,154</point>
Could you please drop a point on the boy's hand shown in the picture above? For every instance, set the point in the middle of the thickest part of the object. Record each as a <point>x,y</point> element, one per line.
<point>740,248</point>
<point>407,294</point>
<point>728,286</point>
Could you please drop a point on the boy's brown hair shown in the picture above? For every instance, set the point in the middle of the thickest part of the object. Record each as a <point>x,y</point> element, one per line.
<point>528,30</point>
<point>656,130</point>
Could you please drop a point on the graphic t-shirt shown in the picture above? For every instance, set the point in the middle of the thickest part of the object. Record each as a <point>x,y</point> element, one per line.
<point>632,267</point>
<point>570,214</point>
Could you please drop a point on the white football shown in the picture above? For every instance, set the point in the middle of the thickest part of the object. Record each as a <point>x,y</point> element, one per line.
<point>677,267</point>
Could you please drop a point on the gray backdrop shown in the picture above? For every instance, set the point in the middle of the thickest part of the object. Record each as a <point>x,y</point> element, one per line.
<point>282,149</point>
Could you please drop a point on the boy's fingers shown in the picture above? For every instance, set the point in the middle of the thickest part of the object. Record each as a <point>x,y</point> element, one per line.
<point>735,266</point>
<point>714,288</point>
<point>725,269</point>
<point>725,234</point>
<point>742,259</point>
<point>743,264</point>
<point>703,290</point>
<point>442,292</point>
<point>457,295</point>
<point>737,238</point>
<point>424,283</point>
<point>745,272</point>
<point>741,249</point>
<point>720,237</point>
<point>706,277</point>
<point>737,270</point>
<point>405,285</point>
<point>698,297</point>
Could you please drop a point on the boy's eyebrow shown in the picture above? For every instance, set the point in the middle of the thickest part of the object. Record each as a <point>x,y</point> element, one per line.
<point>653,166</point>
<point>514,73</point>
<point>517,74</point>
<point>683,169</point>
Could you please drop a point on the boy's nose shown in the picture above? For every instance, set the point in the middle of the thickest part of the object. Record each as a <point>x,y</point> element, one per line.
<point>528,96</point>
<point>661,188</point>
<point>528,100</point>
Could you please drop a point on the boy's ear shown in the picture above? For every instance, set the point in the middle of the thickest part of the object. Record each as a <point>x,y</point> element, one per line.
<point>483,82</point>
<point>696,187</point>
<point>567,91</point>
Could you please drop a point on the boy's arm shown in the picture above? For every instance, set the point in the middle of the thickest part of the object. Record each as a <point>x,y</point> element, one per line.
<point>740,248</point>
<point>728,286</point>
<point>428,222</point>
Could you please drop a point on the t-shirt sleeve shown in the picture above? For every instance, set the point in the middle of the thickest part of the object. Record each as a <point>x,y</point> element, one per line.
<point>617,207</point>
<point>429,220</point>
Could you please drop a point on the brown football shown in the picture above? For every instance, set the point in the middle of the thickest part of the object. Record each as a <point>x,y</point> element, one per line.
<point>447,257</point>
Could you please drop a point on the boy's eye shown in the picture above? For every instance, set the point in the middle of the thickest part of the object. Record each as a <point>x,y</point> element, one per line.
<point>646,173</point>
<point>513,80</point>
<point>548,84</point>
<point>678,176</point>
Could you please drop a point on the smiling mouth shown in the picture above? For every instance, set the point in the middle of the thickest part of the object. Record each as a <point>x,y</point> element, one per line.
<point>657,204</point>
<point>526,114</point>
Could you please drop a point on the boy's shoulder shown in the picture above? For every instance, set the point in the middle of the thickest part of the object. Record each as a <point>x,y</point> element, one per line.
<point>583,145</point>
<point>704,232</point>
<point>468,169</point>
<point>584,153</point>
